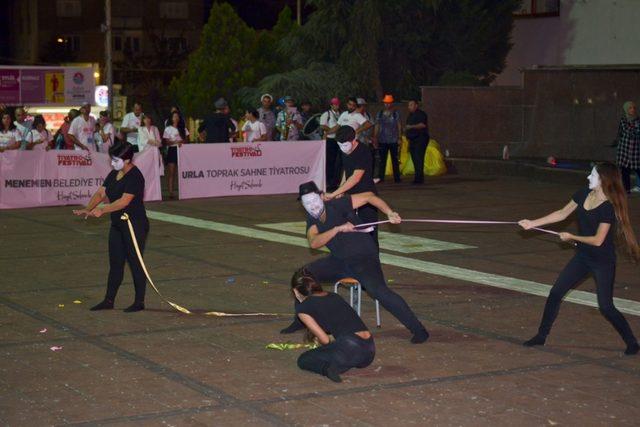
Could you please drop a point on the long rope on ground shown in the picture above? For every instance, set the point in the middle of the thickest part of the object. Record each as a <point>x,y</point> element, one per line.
<point>181,309</point>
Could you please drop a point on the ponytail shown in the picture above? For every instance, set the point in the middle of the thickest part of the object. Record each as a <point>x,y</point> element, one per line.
<point>305,283</point>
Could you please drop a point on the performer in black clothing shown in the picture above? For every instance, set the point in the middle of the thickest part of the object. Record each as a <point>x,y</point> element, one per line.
<point>599,208</point>
<point>358,169</point>
<point>123,189</point>
<point>353,252</point>
<point>325,313</point>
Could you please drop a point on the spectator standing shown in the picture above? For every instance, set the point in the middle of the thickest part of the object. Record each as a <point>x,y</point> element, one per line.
<point>628,155</point>
<point>62,140</point>
<point>148,134</point>
<point>329,123</point>
<point>175,134</point>
<point>106,134</point>
<point>23,124</point>
<point>82,129</point>
<point>387,134</point>
<point>267,116</point>
<point>39,138</point>
<point>130,124</point>
<point>417,132</point>
<point>289,121</point>
<point>353,118</point>
<point>217,127</point>
<point>253,129</point>
<point>10,138</point>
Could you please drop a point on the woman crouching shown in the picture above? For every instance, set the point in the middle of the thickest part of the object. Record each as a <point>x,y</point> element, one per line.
<point>325,313</point>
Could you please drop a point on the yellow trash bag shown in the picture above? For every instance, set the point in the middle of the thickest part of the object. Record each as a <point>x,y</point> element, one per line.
<point>434,164</point>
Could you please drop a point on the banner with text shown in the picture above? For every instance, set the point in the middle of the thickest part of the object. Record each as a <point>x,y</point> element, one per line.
<point>65,177</point>
<point>235,169</point>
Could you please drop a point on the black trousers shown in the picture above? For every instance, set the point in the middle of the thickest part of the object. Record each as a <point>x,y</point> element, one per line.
<point>576,270</point>
<point>368,271</point>
<point>369,213</point>
<point>395,164</point>
<point>121,249</point>
<point>333,167</point>
<point>626,177</point>
<point>346,352</point>
<point>418,148</point>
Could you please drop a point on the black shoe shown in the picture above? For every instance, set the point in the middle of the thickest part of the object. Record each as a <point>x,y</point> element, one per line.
<point>632,349</point>
<point>419,337</point>
<point>537,340</point>
<point>104,305</point>
<point>332,374</point>
<point>136,306</point>
<point>295,326</point>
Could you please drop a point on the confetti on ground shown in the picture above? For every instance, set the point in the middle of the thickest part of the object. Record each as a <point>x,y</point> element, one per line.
<point>231,280</point>
<point>390,280</point>
<point>42,331</point>
<point>56,348</point>
<point>60,305</point>
<point>265,282</point>
<point>77,301</point>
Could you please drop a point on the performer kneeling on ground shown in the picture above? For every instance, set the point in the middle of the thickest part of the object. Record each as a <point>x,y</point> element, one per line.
<point>326,313</point>
<point>353,253</point>
<point>123,188</point>
<point>599,207</point>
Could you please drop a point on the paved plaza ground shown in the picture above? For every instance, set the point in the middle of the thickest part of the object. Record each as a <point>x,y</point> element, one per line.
<point>476,288</point>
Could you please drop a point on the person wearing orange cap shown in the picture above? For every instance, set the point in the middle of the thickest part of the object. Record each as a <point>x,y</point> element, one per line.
<point>329,124</point>
<point>387,133</point>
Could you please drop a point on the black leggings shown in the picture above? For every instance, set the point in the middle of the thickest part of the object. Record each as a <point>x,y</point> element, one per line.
<point>333,164</point>
<point>368,271</point>
<point>395,164</point>
<point>346,352</point>
<point>576,270</point>
<point>121,249</point>
<point>626,177</point>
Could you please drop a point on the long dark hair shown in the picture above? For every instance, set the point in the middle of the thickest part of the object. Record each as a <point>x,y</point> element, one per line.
<point>182,128</point>
<point>305,283</point>
<point>12,125</point>
<point>611,183</point>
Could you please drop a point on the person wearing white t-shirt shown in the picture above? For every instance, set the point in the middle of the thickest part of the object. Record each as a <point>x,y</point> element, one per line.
<point>148,134</point>
<point>253,129</point>
<point>39,138</point>
<point>173,137</point>
<point>82,129</point>
<point>329,124</point>
<point>106,135</point>
<point>130,124</point>
<point>9,136</point>
<point>352,118</point>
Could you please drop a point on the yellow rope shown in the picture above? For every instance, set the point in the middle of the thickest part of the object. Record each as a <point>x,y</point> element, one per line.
<point>125,217</point>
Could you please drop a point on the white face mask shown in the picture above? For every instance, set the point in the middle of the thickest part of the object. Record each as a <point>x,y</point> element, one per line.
<point>594,179</point>
<point>313,204</point>
<point>346,146</point>
<point>117,163</point>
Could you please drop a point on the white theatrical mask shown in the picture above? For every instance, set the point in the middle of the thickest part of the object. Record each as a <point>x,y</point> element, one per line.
<point>346,147</point>
<point>594,179</point>
<point>313,204</point>
<point>117,163</point>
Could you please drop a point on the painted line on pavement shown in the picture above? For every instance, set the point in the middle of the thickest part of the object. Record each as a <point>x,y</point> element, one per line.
<point>495,280</point>
<point>396,242</point>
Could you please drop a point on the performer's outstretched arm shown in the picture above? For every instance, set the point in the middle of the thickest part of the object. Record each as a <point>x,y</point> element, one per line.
<point>318,240</point>
<point>361,199</point>
<point>556,216</point>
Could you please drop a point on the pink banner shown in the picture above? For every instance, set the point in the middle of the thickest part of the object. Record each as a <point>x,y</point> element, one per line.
<point>65,177</point>
<point>211,170</point>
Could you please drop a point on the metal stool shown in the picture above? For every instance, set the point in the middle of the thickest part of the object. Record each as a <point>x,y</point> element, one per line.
<point>356,297</point>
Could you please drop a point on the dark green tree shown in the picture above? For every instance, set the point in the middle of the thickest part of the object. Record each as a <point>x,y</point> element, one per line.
<point>228,58</point>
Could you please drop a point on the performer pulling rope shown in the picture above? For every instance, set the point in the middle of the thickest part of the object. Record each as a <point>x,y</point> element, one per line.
<point>125,217</point>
